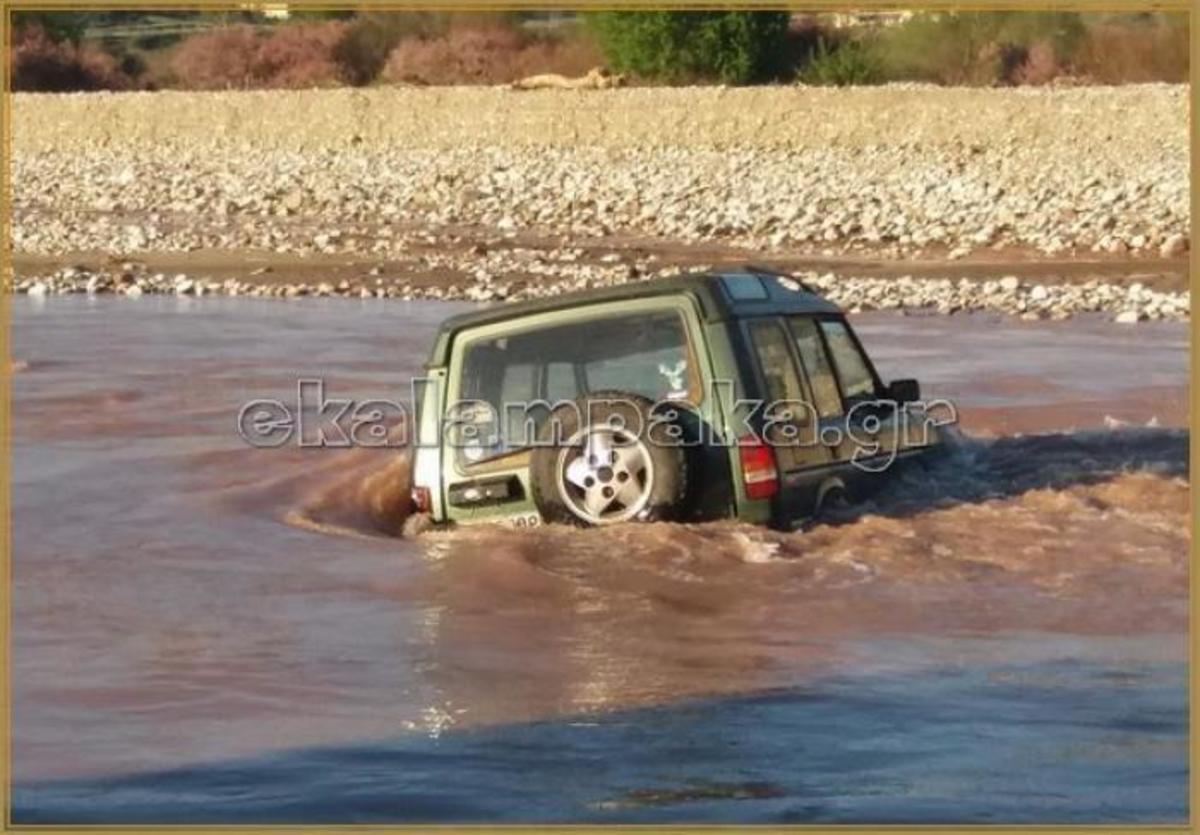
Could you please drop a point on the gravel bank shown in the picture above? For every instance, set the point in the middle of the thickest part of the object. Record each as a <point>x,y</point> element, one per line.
<point>1129,117</point>
<point>1031,301</point>
<point>887,172</point>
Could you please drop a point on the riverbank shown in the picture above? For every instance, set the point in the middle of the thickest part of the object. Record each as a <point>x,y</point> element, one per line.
<point>1035,202</point>
<point>1128,291</point>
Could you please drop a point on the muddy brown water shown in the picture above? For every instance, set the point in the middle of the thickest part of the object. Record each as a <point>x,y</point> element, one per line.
<point>182,598</point>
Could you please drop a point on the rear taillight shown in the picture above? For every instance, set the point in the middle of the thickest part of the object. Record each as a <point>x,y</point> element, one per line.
<point>759,472</point>
<point>422,500</point>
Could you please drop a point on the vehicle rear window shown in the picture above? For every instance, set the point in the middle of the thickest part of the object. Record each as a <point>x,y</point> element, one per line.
<point>561,382</point>
<point>642,353</point>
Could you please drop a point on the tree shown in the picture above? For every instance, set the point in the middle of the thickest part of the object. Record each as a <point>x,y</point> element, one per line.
<point>57,26</point>
<point>733,47</point>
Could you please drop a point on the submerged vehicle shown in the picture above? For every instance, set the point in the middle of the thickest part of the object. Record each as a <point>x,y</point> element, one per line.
<point>736,394</point>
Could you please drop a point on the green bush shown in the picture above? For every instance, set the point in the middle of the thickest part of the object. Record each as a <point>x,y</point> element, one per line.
<point>732,47</point>
<point>842,64</point>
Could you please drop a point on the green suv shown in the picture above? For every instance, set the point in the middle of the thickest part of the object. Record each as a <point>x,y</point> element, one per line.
<point>738,394</point>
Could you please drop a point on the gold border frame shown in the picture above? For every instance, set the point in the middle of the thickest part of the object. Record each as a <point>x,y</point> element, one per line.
<point>1191,7</point>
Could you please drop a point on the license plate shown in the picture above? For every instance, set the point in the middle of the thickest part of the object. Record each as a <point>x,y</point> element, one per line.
<point>523,520</point>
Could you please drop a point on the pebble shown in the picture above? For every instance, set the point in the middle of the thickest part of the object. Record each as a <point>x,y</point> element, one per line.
<point>915,190</point>
<point>1174,246</point>
<point>899,194</point>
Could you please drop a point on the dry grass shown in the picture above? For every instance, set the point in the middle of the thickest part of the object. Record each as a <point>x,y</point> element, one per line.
<point>1127,54</point>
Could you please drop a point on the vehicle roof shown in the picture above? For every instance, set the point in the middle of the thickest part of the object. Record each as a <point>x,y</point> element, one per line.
<point>720,295</point>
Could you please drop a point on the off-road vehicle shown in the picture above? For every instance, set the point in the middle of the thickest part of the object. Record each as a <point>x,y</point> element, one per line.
<point>739,394</point>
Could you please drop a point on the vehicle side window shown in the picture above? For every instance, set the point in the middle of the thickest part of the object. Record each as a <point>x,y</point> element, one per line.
<point>816,366</point>
<point>853,372</point>
<point>775,361</point>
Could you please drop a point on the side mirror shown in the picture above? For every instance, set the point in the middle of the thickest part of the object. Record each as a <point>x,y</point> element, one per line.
<point>904,391</point>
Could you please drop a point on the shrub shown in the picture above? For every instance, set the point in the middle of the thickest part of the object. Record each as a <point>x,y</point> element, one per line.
<point>103,71</point>
<point>733,47</point>
<point>39,63</point>
<point>975,47</point>
<point>463,56</point>
<point>219,59</point>
<point>486,55</point>
<point>132,64</point>
<point>1040,65</point>
<point>300,56</point>
<point>842,64</point>
<point>1060,32</point>
<point>1115,53</point>
<point>236,57</point>
<point>1033,48</point>
<point>370,39</point>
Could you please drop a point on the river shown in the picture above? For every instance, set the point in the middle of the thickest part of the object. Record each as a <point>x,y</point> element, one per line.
<point>209,632</point>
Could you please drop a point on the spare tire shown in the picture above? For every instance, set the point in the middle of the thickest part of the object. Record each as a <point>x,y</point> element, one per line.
<point>607,458</point>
